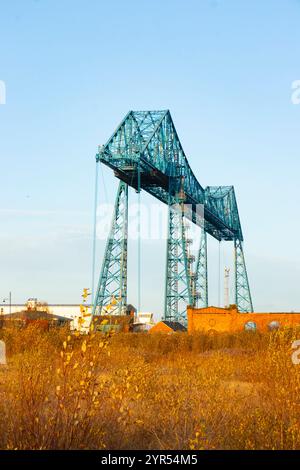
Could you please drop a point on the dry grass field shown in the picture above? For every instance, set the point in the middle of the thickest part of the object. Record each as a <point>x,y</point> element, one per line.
<point>139,391</point>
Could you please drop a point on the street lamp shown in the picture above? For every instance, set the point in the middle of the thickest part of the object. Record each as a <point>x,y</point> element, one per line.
<point>9,299</point>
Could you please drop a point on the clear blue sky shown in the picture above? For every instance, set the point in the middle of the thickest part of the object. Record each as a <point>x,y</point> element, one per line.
<point>73,68</point>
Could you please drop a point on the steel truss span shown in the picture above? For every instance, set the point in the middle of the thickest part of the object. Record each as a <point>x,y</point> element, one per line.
<point>145,153</point>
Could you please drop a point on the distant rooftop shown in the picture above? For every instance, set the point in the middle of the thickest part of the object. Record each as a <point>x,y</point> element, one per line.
<point>175,325</point>
<point>34,315</point>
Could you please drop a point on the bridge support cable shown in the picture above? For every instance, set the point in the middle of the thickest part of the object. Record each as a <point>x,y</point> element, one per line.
<point>95,230</point>
<point>178,271</point>
<point>111,294</point>
<point>201,278</point>
<point>243,298</point>
<point>139,238</point>
<point>219,274</point>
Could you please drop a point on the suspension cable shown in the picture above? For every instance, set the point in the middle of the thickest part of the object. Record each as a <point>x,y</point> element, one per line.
<point>219,276</point>
<point>139,239</point>
<point>103,183</point>
<point>95,231</point>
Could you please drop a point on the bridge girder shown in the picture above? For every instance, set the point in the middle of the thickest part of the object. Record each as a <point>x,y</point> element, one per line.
<point>147,142</point>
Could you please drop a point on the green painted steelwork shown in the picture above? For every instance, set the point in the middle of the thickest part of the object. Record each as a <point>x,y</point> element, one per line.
<point>145,153</point>
<point>111,294</point>
<point>179,283</point>
<point>201,281</point>
<point>242,290</point>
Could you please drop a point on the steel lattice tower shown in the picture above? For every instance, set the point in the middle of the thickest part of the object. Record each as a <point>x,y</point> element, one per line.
<point>201,282</point>
<point>178,268</point>
<point>146,153</point>
<point>111,294</point>
<point>242,290</point>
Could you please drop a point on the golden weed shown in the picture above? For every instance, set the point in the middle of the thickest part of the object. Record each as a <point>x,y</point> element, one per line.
<point>139,391</point>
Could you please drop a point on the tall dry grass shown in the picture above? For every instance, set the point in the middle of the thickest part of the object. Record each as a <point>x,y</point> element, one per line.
<point>139,391</point>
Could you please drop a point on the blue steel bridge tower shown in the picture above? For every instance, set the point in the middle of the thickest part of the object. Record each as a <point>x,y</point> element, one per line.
<point>145,153</point>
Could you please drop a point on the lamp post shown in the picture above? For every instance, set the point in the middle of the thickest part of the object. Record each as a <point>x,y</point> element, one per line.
<point>9,299</point>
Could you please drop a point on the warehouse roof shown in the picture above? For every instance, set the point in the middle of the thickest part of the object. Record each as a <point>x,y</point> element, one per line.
<point>174,325</point>
<point>34,315</point>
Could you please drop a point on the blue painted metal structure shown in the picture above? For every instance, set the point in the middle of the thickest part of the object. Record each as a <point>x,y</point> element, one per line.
<point>201,281</point>
<point>145,153</point>
<point>179,275</point>
<point>111,294</point>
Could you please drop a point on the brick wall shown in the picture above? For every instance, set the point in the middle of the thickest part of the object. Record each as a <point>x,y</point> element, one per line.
<point>223,320</point>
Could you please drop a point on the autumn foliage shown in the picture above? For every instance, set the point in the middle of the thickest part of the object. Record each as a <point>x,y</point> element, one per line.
<point>139,391</point>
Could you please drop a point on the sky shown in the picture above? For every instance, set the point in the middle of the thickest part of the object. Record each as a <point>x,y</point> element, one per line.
<point>72,69</point>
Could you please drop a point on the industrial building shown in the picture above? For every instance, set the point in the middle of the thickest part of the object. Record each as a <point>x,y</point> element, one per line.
<point>216,319</point>
<point>65,310</point>
<point>23,318</point>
